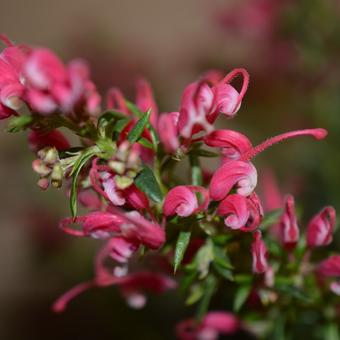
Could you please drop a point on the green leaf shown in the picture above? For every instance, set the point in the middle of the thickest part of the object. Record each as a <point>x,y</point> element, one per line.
<point>134,109</point>
<point>147,182</point>
<point>107,121</point>
<point>138,129</point>
<point>204,258</point>
<point>221,258</point>
<point>241,296</point>
<point>331,331</point>
<point>143,141</point>
<point>294,292</point>
<point>107,147</point>
<point>19,123</point>
<point>224,272</point>
<point>120,125</point>
<point>209,288</point>
<point>81,161</point>
<point>196,292</point>
<point>181,246</point>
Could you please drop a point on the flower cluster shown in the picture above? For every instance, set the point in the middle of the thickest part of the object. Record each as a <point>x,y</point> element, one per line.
<point>209,230</point>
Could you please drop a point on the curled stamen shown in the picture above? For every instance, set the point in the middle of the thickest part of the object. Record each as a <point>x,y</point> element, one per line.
<point>318,134</point>
<point>233,74</point>
<point>61,304</point>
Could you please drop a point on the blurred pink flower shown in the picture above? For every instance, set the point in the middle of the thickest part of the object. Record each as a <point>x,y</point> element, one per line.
<point>259,253</point>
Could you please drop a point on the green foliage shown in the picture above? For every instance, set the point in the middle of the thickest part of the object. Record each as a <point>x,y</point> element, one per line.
<point>181,246</point>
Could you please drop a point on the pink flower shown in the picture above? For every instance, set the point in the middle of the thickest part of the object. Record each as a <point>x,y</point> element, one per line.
<point>213,324</point>
<point>168,131</point>
<point>196,102</point>
<point>227,100</point>
<point>241,174</point>
<point>131,226</point>
<point>330,267</point>
<point>243,213</point>
<point>103,180</point>
<point>289,229</point>
<point>133,287</point>
<point>320,228</point>
<point>95,224</point>
<point>182,200</point>
<point>259,253</point>
<point>90,199</point>
<point>145,100</point>
<point>201,103</point>
<point>12,86</point>
<point>52,86</point>
<point>38,140</point>
<point>233,143</point>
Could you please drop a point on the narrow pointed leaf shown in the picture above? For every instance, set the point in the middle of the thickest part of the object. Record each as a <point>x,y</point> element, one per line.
<point>241,296</point>
<point>181,246</point>
<point>147,182</point>
<point>138,129</point>
<point>209,288</point>
<point>82,160</point>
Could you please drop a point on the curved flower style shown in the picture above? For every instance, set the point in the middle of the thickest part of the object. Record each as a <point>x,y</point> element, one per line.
<point>241,174</point>
<point>233,143</point>
<point>182,200</point>
<point>213,324</point>
<point>259,253</point>
<point>243,213</point>
<point>201,103</point>
<point>288,224</point>
<point>320,228</point>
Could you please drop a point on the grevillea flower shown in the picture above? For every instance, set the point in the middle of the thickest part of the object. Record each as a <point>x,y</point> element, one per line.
<point>118,187</point>
<point>233,143</point>
<point>243,213</point>
<point>259,254</point>
<point>133,287</point>
<point>52,86</point>
<point>54,138</point>
<point>182,200</point>
<point>288,224</point>
<point>241,174</point>
<point>201,103</point>
<point>168,131</point>
<point>131,226</point>
<point>12,85</point>
<point>320,228</point>
<point>212,325</point>
<point>330,267</point>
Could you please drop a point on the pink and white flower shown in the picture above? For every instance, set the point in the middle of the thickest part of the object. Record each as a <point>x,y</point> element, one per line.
<point>259,254</point>
<point>234,173</point>
<point>288,224</point>
<point>320,228</point>
<point>183,201</point>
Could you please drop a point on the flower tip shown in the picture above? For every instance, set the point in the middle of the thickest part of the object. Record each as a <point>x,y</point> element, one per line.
<point>320,133</point>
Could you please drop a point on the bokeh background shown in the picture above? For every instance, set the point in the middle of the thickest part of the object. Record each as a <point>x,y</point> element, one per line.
<point>291,49</point>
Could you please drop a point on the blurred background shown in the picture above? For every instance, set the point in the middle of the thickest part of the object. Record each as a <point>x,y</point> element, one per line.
<point>291,49</point>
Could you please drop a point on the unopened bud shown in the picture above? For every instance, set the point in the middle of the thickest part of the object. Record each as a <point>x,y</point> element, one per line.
<point>117,167</point>
<point>43,183</point>
<point>123,182</point>
<point>57,176</point>
<point>41,168</point>
<point>51,156</point>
